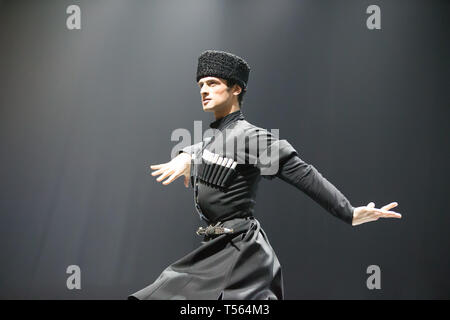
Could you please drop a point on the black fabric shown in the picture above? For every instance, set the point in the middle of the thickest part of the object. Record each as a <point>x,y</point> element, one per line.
<point>239,199</point>
<point>306,178</point>
<point>237,266</point>
<point>241,265</point>
<point>221,64</point>
<point>221,123</point>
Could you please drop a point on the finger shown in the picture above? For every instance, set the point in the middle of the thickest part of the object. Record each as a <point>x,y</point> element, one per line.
<point>390,206</point>
<point>186,182</point>
<point>164,175</point>
<point>171,178</point>
<point>371,205</point>
<point>158,172</point>
<point>394,215</point>
<point>164,167</point>
<point>158,166</point>
<point>388,214</point>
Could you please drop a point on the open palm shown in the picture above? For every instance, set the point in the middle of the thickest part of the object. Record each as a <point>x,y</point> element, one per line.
<point>370,213</point>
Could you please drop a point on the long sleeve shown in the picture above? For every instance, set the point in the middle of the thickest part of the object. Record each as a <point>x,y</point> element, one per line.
<point>193,150</point>
<point>307,179</point>
<point>278,158</point>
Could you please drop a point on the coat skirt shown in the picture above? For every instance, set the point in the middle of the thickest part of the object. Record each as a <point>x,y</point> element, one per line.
<point>237,266</point>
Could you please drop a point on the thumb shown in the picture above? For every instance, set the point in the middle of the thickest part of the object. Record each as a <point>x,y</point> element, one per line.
<point>371,205</point>
<point>186,182</point>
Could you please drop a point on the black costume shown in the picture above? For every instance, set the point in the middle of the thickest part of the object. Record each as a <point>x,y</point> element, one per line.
<point>235,260</point>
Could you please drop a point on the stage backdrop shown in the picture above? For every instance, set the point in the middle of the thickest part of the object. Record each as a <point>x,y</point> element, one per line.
<point>91,94</point>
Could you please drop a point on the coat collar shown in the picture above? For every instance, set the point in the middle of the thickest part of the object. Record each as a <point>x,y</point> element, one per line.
<point>228,119</point>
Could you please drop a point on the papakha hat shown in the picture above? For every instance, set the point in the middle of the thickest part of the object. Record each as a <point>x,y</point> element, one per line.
<point>221,64</point>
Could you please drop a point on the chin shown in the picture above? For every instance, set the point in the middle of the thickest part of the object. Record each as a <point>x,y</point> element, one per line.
<point>208,108</point>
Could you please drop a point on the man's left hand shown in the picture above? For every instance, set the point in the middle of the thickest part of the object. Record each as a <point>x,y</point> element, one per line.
<point>370,213</point>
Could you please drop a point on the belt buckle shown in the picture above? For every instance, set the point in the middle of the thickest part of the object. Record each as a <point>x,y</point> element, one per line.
<point>213,230</point>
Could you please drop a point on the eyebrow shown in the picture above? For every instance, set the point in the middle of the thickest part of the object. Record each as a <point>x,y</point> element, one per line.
<point>201,82</point>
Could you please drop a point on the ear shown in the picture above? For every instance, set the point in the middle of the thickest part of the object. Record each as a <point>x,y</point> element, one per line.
<point>237,90</point>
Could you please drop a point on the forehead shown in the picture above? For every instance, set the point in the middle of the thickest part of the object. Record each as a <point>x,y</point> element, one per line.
<point>206,79</point>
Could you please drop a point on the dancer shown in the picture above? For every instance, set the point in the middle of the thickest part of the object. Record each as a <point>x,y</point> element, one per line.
<point>235,260</point>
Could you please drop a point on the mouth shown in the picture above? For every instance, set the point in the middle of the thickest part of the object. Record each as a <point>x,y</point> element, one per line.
<point>206,101</point>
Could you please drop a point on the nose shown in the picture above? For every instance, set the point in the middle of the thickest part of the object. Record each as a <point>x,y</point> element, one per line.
<point>204,90</point>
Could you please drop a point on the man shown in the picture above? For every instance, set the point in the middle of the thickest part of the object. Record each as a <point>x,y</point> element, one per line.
<point>235,260</point>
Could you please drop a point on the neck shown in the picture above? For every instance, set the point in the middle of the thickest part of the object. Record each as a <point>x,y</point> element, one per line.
<point>226,111</point>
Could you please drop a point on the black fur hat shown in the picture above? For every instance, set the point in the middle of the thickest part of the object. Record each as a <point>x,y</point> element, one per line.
<point>214,63</point>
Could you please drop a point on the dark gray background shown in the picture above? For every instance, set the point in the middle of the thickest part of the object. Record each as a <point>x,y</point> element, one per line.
<point>85,112</point>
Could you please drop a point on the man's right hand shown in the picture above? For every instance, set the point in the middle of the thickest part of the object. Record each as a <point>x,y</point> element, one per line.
<point>178,166</point>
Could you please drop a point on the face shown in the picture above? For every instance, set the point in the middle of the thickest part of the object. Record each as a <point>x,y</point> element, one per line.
<point>215,93</point>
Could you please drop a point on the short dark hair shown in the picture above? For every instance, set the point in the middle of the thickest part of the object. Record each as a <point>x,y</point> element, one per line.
<point>230,84</point>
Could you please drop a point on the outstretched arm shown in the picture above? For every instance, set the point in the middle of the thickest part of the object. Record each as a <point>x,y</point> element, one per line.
<point>180,165</point>
<point>307,179</point>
